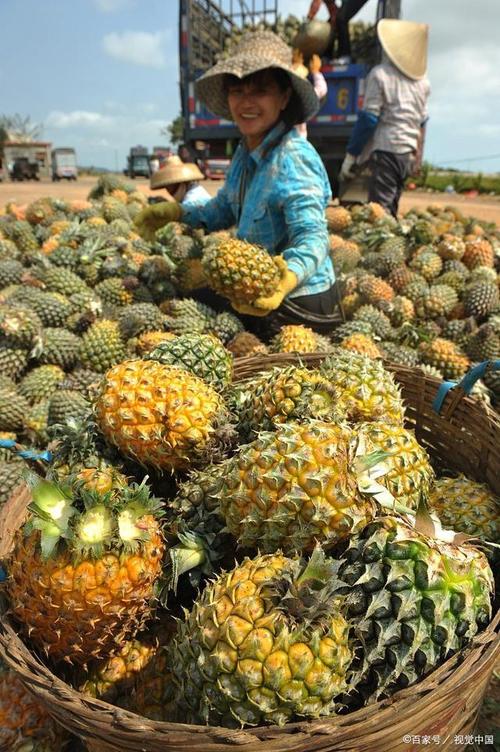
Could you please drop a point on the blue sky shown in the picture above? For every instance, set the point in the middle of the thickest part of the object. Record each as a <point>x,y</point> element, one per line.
<point>102,75</point>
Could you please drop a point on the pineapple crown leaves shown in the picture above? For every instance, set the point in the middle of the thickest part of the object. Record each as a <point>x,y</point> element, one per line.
<point>191,555</point>
<point>51,511</point>
<point>307,593</point>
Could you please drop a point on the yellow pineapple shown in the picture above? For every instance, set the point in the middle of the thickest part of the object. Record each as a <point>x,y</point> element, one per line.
<point>162,416</point>
<point>84,567</point>
<point>239,270</point>
<point>338,219</point>
<point>298,338</point>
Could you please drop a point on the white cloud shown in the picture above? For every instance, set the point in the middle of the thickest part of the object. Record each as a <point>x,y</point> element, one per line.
<point>78,118</point>
<point>111,6</point>
<point>137,47</point>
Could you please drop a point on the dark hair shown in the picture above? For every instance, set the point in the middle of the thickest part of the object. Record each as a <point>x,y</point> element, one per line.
<point>293,112</point>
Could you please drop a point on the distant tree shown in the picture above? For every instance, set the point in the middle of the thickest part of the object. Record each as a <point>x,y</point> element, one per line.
<point>19,128</point>
<point>174,130</point>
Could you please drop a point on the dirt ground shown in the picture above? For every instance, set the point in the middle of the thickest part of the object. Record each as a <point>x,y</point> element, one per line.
<point>482,207</point>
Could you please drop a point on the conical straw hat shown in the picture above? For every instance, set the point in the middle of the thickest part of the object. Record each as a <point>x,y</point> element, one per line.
<point>175,171</point>
<point>405,44</point>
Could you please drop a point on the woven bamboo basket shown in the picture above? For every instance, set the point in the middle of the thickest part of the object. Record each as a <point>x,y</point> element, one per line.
<point>463,436</point>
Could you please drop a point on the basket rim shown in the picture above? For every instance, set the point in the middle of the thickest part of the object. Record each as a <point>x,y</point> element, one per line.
<point>455,672</point>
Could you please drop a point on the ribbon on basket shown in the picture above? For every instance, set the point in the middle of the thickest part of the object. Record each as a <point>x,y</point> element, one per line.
<point>26,454</point>
<point>467,382</point>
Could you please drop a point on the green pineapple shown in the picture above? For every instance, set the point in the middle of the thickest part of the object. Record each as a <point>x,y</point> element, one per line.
<point>52,308</point>
<point>413,601</point>
<point>438,300</point>
<point>202,354</point>
<point>19,325</point>
<point>467,506</point>
<point>139,318</point>
<point>13,408</point>
<point>59,347</point>
<point>480,299</point>
<point>379,322</point>
<point>41,382</point>
<point>11,272</point>
<point>61,280</point>
<point>227,326</point>
<point>66,405</point>
<point>23,236</point>
<point>13,360</point>
<point>101,346</point>
<point>427,263</point>
<point>11,476</point>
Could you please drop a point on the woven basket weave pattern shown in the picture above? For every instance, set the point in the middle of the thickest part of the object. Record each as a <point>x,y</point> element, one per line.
<point>463,437</point>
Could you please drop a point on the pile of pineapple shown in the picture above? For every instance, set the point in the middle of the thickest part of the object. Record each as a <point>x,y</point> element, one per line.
<point>200,549</point>
<point>422,291</point>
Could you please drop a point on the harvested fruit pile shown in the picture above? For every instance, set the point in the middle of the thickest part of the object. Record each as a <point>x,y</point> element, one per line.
<point>420,291</point>
<point>275,518</point>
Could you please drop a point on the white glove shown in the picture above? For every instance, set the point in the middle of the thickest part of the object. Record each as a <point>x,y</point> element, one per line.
<point>347,169</point>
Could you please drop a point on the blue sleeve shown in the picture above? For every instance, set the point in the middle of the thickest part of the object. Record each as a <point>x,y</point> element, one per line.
<point>362,132</point>
<point>305,192</point>
<point>215,214</point>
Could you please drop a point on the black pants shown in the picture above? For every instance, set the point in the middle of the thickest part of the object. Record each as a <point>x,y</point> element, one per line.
<point>388,174</point>
<point>346,12</point>
<point>319,312</point>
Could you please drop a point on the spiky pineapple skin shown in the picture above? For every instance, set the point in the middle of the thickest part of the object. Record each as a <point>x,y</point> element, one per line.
<point>290,488</point>
<point>413,600</point>
<point>240,271</point>
<point>160,415</point>
<point>238,660</point>
<point>201,354</point>
<point>101,346</point>
<point>466,505</point>
<point>366,390</point>
<point>78,610</point>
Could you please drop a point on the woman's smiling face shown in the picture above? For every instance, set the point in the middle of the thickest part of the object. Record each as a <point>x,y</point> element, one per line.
<point>256,105</point>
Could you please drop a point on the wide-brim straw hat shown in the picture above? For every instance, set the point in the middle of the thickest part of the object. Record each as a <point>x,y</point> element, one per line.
<point>175,171</point>
<point>256,51</point>
<point>405,44</point>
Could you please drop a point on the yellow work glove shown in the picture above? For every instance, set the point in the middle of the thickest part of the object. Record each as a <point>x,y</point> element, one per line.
<point>150,219</point>
<point>263,306</point>
<point>315,64</point>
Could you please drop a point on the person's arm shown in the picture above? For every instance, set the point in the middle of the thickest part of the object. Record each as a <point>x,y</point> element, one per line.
<point>303,201</point>
<point>215,214</point>
<point>313,9</point>
<point>368,117</point>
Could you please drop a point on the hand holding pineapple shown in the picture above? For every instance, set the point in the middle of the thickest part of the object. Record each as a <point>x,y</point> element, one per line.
<point>150,219</point>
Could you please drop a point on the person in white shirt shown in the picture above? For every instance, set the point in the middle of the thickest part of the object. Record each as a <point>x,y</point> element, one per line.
<point>181,179</point>
<point>389,131</point>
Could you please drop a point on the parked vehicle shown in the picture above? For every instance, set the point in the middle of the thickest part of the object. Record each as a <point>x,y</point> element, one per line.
<point>203,27</point>
<point>23,169</point>
<point>64,164</point>
<point>138,163</point>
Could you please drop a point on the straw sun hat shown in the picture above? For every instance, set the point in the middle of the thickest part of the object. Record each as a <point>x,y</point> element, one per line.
<point>256,51</point>
<point>175,171</point>
<point>405,44</point>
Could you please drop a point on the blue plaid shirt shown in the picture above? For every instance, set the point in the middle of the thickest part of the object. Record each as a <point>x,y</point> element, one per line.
<point>283,209</point>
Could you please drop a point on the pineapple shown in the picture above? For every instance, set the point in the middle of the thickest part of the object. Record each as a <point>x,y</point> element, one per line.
<point>243,656</point>
<point>466,505</point>
<point>484,344</point>
<point>451,247</point>
<point>379,322</point>
<point>59,347</point>
<point>162,416</point>
<point>245,343</point>
<point>83,569</point>
<point>301,339</point>
<point>362,344</point>
<point>338,219</point>
<point>11,476</point>
<point>19,325</point>
<point>427,263</point>
<point>296,486</point>
<point>403,354</point>
<point>23,236</point>
<point>365,389</point>
<point>13,408</point>
<point>148,341</point>
<point>373,289</point>
<point>41,382</point>
<point>240,271</point>
<point>66,405</point>
<point>480,298</point>
<point>25,726</point>
<point>226,326</point>
<point>438,300</point>
<point>185,316</point>
<point>139,318</point>
<point>445,356</point>
<point>13,360</point>
<point>101,346</point>
<point>202,354</point>
<point>52,308</point>
<point>413,600</point>
<point>280,395</point>
<point>61,280</point>
<point>478,252</point>
<point>409,473</point>
<point>11,272</point>
<point>400,309</point>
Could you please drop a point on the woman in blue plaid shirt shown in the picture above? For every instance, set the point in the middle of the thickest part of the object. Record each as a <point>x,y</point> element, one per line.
<point>277,189</point>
